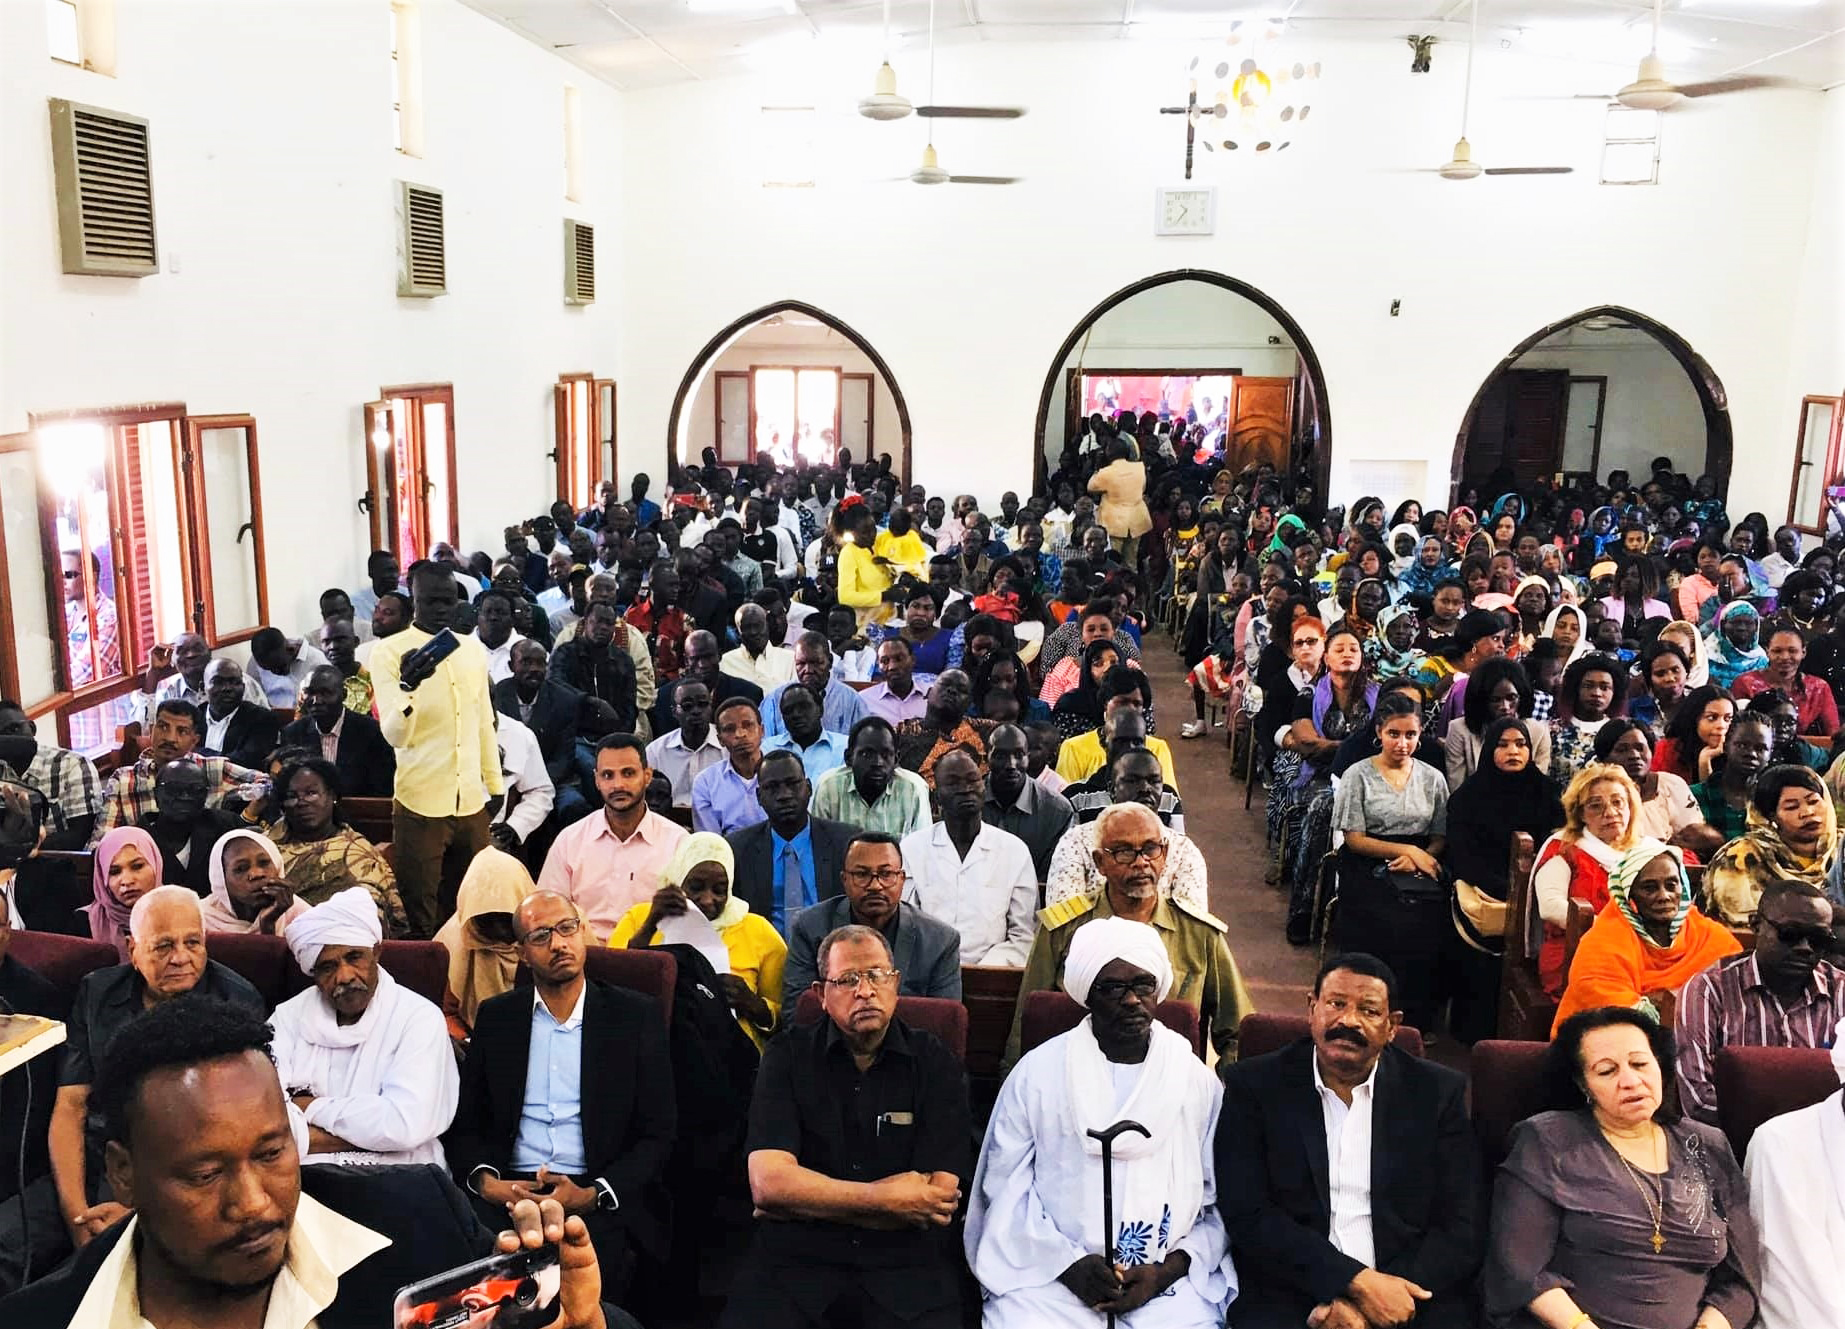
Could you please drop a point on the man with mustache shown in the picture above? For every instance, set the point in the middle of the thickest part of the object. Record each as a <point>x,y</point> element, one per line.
<point>1134,777</point>
<point>1130,852</point>
<point>1033,1201</point>
<point>1347,1171</point>
<point>1783,993</point>
<point>364,1061</point>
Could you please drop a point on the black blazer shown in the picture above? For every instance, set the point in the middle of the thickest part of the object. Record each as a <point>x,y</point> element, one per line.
<point>628,1108</point>
<point>554,722</point>
<point>1427,1216</point>
<point>753,848</point>
<point>253,733</point>
<point>367,765</point>
<point>726,687</point>
<point>430,1224</point>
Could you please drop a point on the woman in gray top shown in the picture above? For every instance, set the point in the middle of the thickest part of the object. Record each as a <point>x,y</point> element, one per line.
<point>1393,811</point>
<point>1619,1214</point>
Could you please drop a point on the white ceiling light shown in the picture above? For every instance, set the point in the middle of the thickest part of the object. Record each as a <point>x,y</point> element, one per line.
<point>884,103</point>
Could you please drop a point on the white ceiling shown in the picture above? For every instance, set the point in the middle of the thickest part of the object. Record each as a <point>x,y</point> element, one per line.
<point>646,43</point>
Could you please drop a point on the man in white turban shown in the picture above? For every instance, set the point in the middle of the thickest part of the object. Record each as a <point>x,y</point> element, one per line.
<point>1796,1170</point>
<point>1034,1221</point>
<point>365,1062</point>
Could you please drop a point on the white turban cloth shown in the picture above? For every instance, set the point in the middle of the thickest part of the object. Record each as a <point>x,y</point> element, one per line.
<point>1838,1048</point>
<point>1095,944</point>
<point>349,918</point>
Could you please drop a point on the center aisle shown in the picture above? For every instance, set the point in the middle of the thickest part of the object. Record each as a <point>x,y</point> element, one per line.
<point>1233,844</point>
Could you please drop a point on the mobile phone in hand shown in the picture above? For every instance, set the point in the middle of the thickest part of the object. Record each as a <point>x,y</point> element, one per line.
<point>519,1290</point>
<point>437,649</point>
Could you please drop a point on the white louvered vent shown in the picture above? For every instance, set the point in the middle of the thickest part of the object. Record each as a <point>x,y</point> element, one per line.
<point>104,176</point>
<point>422,252</point>
<point>579,263</point>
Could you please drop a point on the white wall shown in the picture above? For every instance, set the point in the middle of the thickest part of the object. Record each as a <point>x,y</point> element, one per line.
<point>1651,409</point>
<point>273,173</point>
<point>968,292</point>
<point>789,346</point>
<point>1817,364</point>
<point>1181,325</point>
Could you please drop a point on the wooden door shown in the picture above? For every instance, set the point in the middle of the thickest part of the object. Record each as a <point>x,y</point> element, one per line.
<point>1261,422</point>
<point>1537,405</point>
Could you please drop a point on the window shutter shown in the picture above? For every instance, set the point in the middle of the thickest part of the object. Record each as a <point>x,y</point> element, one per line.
<point>579,263</point>
<point>422,256</point>
<point>138,633</point>
<point>104,178</point>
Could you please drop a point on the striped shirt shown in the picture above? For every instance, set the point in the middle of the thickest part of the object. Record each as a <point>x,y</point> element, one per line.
<point>67,779</point>
<point>129,796</point>
<point>1729,1005</point>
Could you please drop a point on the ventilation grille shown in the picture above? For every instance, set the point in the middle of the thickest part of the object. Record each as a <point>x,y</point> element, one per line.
<point>104,176</point>
<point>579,263</point>
<point>422,259</point>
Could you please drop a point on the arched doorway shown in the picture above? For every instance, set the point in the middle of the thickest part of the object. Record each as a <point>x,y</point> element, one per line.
<point>795,360</point>
<point>1221,343</point>
<point>1604,389</point>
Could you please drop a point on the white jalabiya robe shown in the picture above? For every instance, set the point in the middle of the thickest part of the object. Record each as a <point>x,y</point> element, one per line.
<point>387,1082</point>
<point>1036,1203</point>
<point>1796,1171</point>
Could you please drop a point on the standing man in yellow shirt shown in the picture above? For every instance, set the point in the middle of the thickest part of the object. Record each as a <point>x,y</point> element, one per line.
<point>439,717</point>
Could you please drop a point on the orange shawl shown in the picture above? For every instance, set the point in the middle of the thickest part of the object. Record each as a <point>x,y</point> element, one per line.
<point>1614,967</point>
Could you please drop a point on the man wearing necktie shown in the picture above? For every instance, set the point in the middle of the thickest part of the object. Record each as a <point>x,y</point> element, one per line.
<point>790,860</point>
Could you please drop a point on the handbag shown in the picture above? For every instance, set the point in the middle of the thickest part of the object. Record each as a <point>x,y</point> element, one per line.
<point>1410,890</point>
<point>1479,918</point>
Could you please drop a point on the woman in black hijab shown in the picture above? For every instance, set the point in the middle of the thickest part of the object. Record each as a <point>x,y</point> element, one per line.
<point>1080,709</point>
<point>1506,793</point>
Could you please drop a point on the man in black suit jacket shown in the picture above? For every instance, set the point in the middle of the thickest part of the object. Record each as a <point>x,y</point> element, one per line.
<point>702,653</point>
<point>367,765</point>
<point>376,1229</point>
<point>608,1170</point>
<point>548,708</point>
<point>1311,1225</point>
<point>819,846</point>
<point>249,732</point>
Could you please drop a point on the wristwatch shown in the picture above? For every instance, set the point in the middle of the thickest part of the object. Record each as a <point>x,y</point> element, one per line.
<point>605,1196</point>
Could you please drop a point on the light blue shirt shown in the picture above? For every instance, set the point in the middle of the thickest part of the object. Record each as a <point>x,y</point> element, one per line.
<point>802,847</point>
<point>842,709</point>
<point>827,754</point>
<point>724,801</point>
<point>551,1122</point>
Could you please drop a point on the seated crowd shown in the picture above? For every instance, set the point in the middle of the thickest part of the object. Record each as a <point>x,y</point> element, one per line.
<point>649,890</point>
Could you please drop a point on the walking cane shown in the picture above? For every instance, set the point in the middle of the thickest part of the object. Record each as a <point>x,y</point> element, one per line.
<point>1107,1137</point>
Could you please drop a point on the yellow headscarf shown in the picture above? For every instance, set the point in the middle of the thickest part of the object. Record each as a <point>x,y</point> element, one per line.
<point>707,847</point>
<point>495,883</point>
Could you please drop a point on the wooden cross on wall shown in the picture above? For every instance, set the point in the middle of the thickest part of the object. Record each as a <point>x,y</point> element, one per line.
<point>1192,114</point>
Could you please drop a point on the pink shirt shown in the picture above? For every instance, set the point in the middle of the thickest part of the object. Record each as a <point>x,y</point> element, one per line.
<point>607,876</point>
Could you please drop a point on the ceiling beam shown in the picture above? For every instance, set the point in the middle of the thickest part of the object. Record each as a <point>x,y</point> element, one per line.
<point>622,19</point>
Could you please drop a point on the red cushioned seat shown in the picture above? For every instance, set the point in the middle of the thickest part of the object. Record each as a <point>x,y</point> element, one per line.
<point>1508,1086</point>
<point>61,960</point>
<point>421,966</point>
<point>265,962</point>
<point>1260,1033</point>
<point>1754,1084</point>
<point>653,973</point>
<point>944,1018</point>
<point>1050,1013</point>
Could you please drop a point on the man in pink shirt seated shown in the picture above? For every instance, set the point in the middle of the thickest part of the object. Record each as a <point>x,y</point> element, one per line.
<point>608,864</point>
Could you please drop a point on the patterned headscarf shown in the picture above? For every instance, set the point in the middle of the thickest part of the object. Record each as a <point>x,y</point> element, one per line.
<point>1627,871</point>
<point>1728,661</point>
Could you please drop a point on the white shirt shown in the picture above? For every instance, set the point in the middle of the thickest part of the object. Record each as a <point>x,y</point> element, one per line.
<point>990,897</point>
<point>499,658</point>
<point>530,795</point>
<point>768,671</point>
<point>680,764</point>
<point>1348,1166</point>
<point>215,730</point>
<point>284,690</point>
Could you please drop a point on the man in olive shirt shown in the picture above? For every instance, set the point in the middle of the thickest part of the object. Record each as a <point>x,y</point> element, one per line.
<point>1130,854</point>
<point>1015,802</point>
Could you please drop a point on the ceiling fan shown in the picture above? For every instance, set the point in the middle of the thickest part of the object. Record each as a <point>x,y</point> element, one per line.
<point>1462,166</point>
<point>931,171</point>
<point>1652,91</point>
<point>886,103</point>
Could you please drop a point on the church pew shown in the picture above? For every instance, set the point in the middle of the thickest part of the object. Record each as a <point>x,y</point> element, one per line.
<point>946,1019</point>
<point>1525,1011</point>
<point>1754,1084</point>
<point>1507,1085</point>
<point>1261,1033</point>
<point>370,817</point>
<point>60,959</point>
<point>991,995</point>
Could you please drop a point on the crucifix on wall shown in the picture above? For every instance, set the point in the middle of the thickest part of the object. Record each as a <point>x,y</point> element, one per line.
<point>1193,113</point>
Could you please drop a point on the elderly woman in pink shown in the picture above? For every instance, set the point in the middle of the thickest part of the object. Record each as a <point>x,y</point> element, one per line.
<point>127,866</point>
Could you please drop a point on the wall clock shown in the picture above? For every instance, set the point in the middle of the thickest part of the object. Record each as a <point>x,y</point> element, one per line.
<point>1185,211</point>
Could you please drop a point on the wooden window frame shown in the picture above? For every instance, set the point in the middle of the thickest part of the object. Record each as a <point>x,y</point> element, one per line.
<point>565,441</point>
<point>1073,387</point>
<point>871,412</point>
<point>839,375</point>
<point>381,501</point>
<point>1829,464</point>
<point>609,424</point>
<point>1601,417</point>
<point>749,420</point>
<point>194,549</point>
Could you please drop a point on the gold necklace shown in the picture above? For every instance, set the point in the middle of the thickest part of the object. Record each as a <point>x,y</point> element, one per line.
<point>1656,1210</point>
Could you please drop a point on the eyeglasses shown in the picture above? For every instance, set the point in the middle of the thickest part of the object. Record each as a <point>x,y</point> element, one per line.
<point>564,927</point>
<point>1305,641</point>
<point>1123,854</point>
<point>1113,989</point>
<point>851,980</point>
<point>885,876</point>
<point>1792,934</point>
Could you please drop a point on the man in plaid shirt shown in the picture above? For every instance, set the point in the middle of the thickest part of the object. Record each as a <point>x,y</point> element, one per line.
<point>66,779</point>
<point>179,728</point>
